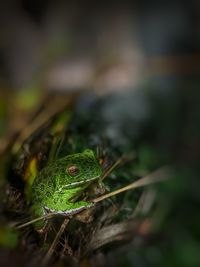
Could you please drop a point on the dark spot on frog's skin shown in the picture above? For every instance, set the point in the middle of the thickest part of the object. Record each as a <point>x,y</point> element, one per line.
<point>55,201</point>
<point>48,194</point>
<point>42,187</point>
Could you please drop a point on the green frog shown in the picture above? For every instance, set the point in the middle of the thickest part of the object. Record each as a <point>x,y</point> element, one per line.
<point>58,183</point>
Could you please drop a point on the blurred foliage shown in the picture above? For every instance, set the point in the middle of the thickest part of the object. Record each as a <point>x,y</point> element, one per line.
<point>8,237</point>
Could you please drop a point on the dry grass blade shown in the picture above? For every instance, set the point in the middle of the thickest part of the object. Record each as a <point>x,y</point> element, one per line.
<point>121,160</point>
<point>48,112</point>
<point>145,203</point>
<point>47,216</point>
<point>112,233</point>
<point>55,242</point>
<point>159,175</point>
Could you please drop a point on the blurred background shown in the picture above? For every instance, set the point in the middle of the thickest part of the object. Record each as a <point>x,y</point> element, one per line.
<point>75,45</point>
<point>113,46</point>
<point>144,53</point>
<point>68,45</point>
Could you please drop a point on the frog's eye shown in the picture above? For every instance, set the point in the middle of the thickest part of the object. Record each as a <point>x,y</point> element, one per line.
<point>73,170</point>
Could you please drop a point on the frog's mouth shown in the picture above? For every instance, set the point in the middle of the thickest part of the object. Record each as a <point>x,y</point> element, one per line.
<point>75,184</point>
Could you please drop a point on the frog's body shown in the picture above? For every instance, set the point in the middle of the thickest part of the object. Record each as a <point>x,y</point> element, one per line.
<point>62,180</point>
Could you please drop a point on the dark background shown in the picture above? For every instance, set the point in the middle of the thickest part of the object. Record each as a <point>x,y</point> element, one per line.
<point>75,44</point>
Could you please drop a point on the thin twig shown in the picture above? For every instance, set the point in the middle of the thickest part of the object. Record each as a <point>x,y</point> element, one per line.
<point>55,242</point>
<point>47,216</point>
<point>159,175</point>
<point>124,158</point>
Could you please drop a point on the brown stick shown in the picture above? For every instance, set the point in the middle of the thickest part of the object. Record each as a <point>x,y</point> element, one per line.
<point>159,175</point>
<point>35,220</point>
<point>55,242</point>
<point>117,163</point>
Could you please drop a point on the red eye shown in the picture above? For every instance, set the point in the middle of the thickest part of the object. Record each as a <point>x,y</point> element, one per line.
<point>73,170</point>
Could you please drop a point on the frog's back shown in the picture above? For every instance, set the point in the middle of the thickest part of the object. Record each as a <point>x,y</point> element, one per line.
<point>43,186</point>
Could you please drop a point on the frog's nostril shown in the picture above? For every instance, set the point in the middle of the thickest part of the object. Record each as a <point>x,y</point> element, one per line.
<point>73,170</point>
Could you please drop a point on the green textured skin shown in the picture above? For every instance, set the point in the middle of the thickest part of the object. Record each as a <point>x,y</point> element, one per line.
<point>53,188</point>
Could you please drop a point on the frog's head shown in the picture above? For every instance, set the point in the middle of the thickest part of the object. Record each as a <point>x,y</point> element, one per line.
<point>76,170</point>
